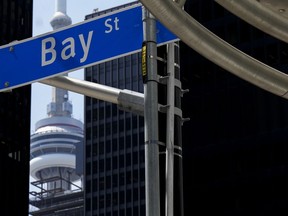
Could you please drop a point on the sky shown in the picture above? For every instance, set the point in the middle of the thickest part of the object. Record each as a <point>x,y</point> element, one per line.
<point>43,11</point>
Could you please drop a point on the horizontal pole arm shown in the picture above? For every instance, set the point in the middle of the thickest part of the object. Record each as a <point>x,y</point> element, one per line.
<point>126,100</point>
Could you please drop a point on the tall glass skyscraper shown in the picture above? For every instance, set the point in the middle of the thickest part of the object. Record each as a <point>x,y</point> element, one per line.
<point>114,153</point>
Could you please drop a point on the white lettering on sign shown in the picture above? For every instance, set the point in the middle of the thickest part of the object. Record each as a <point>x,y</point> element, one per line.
<point>85,46</point>
<point>49,54</point>
<point>110,26</point>
<point>46,50</point>
<point>69,50</point>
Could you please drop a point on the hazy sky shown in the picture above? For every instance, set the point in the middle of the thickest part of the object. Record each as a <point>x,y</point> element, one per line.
<point>43,11</point>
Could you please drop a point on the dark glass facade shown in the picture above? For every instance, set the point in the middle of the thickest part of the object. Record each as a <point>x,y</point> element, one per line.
<point>114,149</point>
<point>235,152</point>
<point>114,144</point>
<point>16,24</point>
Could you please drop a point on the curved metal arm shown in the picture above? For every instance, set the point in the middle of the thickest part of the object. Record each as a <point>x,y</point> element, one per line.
<point>259,16</point>
<point>215,49</point>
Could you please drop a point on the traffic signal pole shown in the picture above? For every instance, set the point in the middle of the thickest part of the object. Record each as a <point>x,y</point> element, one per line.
<point>150,78</point>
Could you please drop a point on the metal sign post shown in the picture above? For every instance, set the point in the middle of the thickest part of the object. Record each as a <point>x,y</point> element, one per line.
<point>151,116</point>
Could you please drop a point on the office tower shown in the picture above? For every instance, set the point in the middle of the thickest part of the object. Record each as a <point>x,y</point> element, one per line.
<point>114,149</point>
<point>56,148</point>
<point>16,24</point>
<point>235,145</point>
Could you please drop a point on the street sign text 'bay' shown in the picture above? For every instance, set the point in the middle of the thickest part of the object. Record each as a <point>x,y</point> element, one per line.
<point>74,47</point>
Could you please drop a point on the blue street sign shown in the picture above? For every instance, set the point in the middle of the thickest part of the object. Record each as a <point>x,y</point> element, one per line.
<point>74,47</point>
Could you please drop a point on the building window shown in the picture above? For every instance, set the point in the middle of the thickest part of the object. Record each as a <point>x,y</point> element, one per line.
<point>95,185</point>
<point>115,180</point>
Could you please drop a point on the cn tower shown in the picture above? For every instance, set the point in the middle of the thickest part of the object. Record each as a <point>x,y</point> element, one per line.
<point>54,143</point>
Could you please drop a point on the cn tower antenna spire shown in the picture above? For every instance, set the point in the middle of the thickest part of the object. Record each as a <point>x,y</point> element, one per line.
<point>61,6</point>
<point>60,105</point>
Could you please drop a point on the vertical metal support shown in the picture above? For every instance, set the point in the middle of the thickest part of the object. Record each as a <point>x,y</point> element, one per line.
<point>178,122</point>
<point>151,117</point>
<point>169,202</point>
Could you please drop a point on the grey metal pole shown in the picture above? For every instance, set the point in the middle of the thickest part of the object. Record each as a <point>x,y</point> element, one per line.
<point>90,89</point>
<point>151,118</point>
<point>127,100</point>
<point>169,201</point>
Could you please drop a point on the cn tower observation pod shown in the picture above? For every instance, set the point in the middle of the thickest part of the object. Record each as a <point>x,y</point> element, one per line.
<point>53,147</point>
